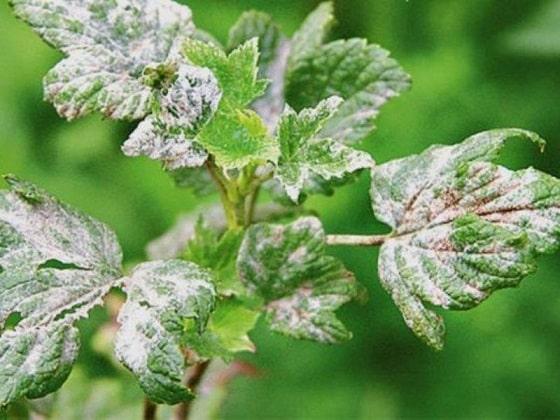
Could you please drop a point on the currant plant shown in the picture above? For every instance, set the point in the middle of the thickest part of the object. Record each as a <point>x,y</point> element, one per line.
<point>264,112</point>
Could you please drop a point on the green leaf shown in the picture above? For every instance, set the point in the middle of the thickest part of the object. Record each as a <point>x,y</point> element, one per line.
<point>237,139</point>
<point>227,331</point>
<point>312,33</point>
<point>235,136</point>
<point>287,266</point>
<point>362,74</point>
<point>108,45</point>
<point>258,25</point>
<point>217,252</point>
<point>236,72</point>
<point>274,48</point>
<point>304,155</point>
<point>462,227</point>
<point>55,265</point>
<point>166,301</point>
<point>197,180</point>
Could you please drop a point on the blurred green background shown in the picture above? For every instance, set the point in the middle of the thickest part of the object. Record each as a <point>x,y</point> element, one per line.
<point>476,64</point>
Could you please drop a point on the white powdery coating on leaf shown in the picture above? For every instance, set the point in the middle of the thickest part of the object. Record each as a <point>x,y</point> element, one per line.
<point>302,286</point>
<point>161,296</point>
<point>192,99</point>
<point>306,155</point>
<point>463,227</point>
<point>108,46</point>
<point>174,150</point>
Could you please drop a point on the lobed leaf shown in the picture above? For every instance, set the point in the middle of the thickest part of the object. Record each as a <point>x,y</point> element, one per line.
<point>166,301</point>
<point>217,252</point>
<point>108,45</point>
<point>235,136</point>
<point>301,286</point>
<point>463,227</point>
<point>55,265</point>
<point>306,156</point>
<point>274,49</point>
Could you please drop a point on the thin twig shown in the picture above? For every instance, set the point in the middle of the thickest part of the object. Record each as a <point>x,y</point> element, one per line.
<point>182,411</point>
<point>150,410</point>
<point>356,240</point>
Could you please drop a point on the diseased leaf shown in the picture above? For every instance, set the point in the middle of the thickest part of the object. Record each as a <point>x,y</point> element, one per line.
<point>36,361</point>
<point>108,45</point>
<point>235,136</point>
<point>211,249</point>
<point>462,227</point>
<point>312,33</point>
<point>305,155</point>
<point>274,48</point>
<point>362,74</point>
<point>55,265</point>
<point>166,300</point>
<point>301,286</point>
<point>183,109</point>
<point>197,180</point>
<point>154,141</point>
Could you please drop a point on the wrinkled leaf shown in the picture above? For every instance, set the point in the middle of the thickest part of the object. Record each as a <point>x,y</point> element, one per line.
<point>235,136</point>
<point>301,285</point>
<point>108,45</point>
<point>305,155</point>
<point>362,74</point>
<point>274,48</point>
<point>55,265</point>
<point>462,227</point>
<point>166,300</point>
<point>211,249</point>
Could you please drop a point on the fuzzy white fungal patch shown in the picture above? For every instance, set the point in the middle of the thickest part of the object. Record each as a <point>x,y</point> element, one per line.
<point>162,297</point>
<point>463,227</point>
<point>108,45</point>
<point>302,287</point>
<point>57,264</point>
<point>305,155</point>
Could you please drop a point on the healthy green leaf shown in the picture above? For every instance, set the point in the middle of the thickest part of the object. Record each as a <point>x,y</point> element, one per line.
<point>301,286</point>
<point>227,331</point>
<point>235,136</point>
<point>463,227</point>
<point>305,155</point>
<point>167,300</point>
<point>274,49</point>
<point>238,138</point>
<point>108,45</point>
<point>362,74</point>
<point>55,265</point>
<point>236,72</point>
<point>217,252</point>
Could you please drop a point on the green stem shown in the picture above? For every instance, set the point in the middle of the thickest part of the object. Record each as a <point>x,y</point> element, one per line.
<point>225,195</point>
